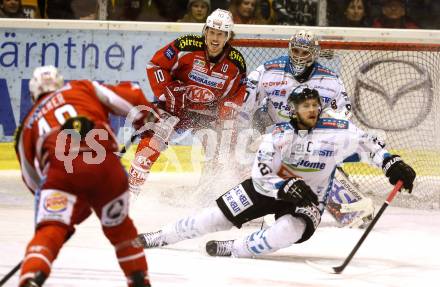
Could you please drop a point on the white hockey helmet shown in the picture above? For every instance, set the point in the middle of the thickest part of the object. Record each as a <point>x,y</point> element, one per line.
<point>306,41</point>
<point>221,20</point>
<point>45,79</point>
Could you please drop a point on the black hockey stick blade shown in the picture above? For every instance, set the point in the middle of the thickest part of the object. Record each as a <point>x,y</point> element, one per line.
<point>340,268</point>
<point>10,274</point>
<point>127,145</point>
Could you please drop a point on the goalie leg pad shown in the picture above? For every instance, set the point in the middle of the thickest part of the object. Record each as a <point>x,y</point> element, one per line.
<point>347,204</point>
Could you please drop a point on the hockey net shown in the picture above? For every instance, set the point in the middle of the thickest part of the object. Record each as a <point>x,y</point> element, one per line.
<point>394,89</point>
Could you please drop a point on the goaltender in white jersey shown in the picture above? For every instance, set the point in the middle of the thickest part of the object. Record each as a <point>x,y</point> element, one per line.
<point>266,104</point>
<point>291,178</point>
<point>270,84</point>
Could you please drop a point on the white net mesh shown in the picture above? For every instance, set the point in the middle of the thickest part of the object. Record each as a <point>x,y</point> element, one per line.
<point>394,90</point>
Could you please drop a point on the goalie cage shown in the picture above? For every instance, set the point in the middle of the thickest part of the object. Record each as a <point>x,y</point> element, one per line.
<point>394,90</point>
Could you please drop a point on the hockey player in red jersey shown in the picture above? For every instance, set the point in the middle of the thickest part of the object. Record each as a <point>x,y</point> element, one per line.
<point>66,150</point>
<point>194,78</point>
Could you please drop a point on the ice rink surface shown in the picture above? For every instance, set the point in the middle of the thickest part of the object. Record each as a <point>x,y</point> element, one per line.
<point>402,250</point>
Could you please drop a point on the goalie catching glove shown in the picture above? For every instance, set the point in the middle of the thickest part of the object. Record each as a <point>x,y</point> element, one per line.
<point>298,192</point>
<point>395,169</point>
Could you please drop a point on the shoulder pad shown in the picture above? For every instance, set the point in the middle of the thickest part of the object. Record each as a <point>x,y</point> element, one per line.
<point>281,128</point>
<point>237,58</point>
<point>331,123</point>
<point>189,43</point>
<point>320,70</point>
<point>279,63</point>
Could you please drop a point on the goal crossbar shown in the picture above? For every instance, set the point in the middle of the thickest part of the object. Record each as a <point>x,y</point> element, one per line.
<point>342,45</point>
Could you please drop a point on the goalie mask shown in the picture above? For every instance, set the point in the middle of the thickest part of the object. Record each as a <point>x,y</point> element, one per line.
<point>45,79</point>
<point>221,20</point>
<point>303,51</point>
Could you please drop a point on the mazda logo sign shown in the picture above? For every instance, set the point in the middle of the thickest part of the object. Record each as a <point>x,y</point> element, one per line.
<point>392,94</point>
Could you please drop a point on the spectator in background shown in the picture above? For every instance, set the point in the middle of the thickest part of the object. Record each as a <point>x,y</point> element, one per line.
<point>394,16</point>
<point>355,14</point>
<point>176,9</point>
<point>85,9</point>
<point>425,13</point>
<point>31,9</point>
<point>137,10</point>
<point>11,9</point>
<point>267,12</point>
<point>197,11</point>
<point>296,12</point>
<point>128,10</point>
<point>57,9</point>
<point>246,12</point>
<point>221,4</point>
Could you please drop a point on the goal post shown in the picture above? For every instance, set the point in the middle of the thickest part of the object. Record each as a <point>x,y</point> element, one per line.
<point>394,88</point>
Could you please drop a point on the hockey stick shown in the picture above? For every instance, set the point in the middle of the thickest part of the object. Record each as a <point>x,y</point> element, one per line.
<point>127,145</point>
<point>11,273</point>
<point>340,268</point>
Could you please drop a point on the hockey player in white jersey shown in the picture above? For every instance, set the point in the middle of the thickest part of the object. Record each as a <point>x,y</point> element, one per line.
<point>291,178</point>
<point>270,84</point>
<point>266,104</point>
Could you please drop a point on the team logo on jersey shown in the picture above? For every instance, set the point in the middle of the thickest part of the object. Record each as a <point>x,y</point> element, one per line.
<point>200,69</point>
<point>198,62</point>
<point>199,65</point>
<point>272,84</point>
<point>281,106</point>
<point>189,42</point>
<point>323,152</point>
<point>378,102</point>
<point>283,110</point>
<point>307,166</point>
<point>115,211</point>
<point>325,99</point>
<point>330,123</point>
<point>199,94</point>
<point>325,72</point>
<point>278,93</point>
<point>274,66</point>
<point>56,202</point>
<point>266,155</point>
<point>219,75</point>
<point>235,56</point>
<point>237,200</point>
<point>281,128</point>
<point>170,53</point>
<point>206,80</point>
